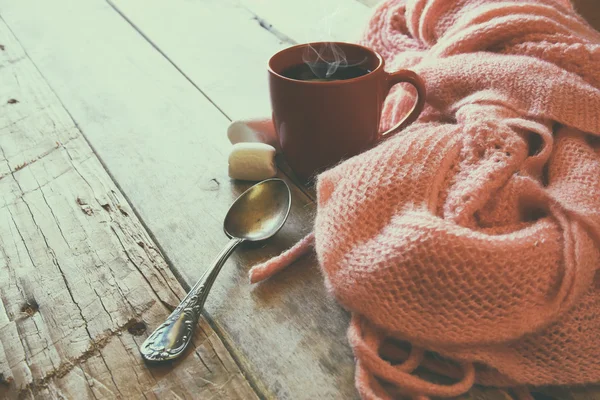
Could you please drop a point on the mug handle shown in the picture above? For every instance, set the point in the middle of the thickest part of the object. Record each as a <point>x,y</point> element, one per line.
<point>406,76</point>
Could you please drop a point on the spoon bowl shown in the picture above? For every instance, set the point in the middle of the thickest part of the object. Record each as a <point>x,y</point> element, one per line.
<point>257,214</point>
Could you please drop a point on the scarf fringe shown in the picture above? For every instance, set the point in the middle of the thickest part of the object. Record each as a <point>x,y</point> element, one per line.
<point>269,268</point>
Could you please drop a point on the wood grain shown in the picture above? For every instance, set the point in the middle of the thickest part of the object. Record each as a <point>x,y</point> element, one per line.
<point>165,143</point>
<point>81,279</point>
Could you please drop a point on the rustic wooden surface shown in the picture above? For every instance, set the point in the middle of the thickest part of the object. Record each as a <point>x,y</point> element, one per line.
<point>152,86</point>
<point>165,145</point>
<point>80,278</point>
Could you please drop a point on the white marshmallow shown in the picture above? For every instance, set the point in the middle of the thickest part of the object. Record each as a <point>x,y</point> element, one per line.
<point>259,130</point>
<point>252,161</point>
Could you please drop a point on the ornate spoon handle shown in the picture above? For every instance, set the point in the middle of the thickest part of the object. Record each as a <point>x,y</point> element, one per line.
<point>172,337</point>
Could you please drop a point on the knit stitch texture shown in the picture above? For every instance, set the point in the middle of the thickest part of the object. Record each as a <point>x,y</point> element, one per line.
<point>469,242</point>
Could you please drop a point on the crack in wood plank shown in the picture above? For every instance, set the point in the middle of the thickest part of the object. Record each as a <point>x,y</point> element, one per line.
<point>134,263</point>
<point>203,362</point>
<point>85,376</point>
<point>112,377</point>
<point>95,347</point>
<point>52,212</point>
<point>271,29</point>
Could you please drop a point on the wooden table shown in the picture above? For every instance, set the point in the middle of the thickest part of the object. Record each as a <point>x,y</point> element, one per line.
<point>113,188</point>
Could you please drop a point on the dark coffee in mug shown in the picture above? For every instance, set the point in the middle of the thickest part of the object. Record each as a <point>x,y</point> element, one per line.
<point>324,72</point>
<point>331,112</point>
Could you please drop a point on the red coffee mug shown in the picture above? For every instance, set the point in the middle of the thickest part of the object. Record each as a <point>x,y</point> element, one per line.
<point>320,123</point>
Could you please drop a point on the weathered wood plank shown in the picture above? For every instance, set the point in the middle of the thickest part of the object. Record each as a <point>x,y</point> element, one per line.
<point>80,277</point>
<point>165,144</point>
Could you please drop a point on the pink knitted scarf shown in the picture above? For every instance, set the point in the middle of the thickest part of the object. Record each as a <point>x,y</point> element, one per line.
<point>469,243</point>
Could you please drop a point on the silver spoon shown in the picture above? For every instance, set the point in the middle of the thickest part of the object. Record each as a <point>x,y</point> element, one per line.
<point>256,215</point>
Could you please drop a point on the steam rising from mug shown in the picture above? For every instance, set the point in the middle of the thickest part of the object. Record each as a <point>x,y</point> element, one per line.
<point>325,60</point>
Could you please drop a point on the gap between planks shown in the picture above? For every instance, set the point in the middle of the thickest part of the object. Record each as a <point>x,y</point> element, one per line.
<point>308,190</point>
